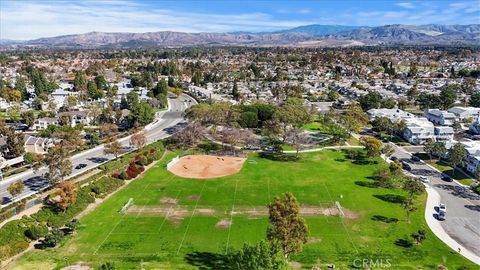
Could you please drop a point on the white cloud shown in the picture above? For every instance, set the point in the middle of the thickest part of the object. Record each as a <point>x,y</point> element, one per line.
<point>28,20</point>
<point>408,5</point>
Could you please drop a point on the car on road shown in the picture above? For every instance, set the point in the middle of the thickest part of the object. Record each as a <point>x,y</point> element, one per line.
<point>415,159</point>
<point>442,208</point>
<point>423,178</point>
<point>441,216</point>
<point>406,166</point>
<point>393,158</point>
<point>446,178</point>
<point>80,166</point>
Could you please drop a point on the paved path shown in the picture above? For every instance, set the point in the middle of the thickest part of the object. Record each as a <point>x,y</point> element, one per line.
<point>461,228</point>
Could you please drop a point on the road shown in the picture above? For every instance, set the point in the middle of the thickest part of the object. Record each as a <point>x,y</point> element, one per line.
<point>462,221</point>
<point>165,124</point>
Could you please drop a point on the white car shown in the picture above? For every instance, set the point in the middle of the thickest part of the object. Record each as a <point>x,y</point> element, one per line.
<point>424,179</point>
<point>442,208</point>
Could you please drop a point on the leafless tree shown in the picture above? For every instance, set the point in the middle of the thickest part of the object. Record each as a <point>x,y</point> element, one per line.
<point>138,140</point>
<point>190,135</point>
<point>297,137</point>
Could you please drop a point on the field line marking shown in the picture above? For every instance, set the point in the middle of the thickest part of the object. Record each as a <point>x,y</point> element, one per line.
<point>231,216</point>
<point>191,217</point>
<point>343,224</point>
<point>108,235</point>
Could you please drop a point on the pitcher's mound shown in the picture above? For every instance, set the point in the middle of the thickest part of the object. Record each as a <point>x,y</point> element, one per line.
<point>205,166</point>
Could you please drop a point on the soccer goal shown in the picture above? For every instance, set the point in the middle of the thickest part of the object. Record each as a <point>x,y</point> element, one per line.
<point>340,210</point>
<point>126,206</point>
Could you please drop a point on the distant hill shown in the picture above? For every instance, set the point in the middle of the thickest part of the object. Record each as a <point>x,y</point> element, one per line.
<point>321,30</point>
<point>307,36</point>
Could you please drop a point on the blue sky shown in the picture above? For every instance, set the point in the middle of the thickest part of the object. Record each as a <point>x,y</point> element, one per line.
<point>24,19</point>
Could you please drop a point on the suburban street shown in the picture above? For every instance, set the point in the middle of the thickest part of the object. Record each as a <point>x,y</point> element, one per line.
<point>165,124</point>
<point>462,221</point>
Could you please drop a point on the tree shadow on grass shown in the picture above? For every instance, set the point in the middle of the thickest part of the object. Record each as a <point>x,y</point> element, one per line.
<point>391,198</point>
<point>403,243</point>
<point>384,219</point>
<point>208,260</point>
<point>368,184</point>
<point>278,156</point>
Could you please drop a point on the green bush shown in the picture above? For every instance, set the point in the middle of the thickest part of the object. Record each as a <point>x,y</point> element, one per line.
<point>12,237</point>
<point>105,185</point>
<point>36,231</point>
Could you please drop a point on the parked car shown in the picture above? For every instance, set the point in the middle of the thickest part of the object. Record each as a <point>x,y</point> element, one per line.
<point>423,178</point>
<point>393,158</point>
<point>442,208</point>
<point>80,166</point>
<point>406,166</point>
<point>415,158</point>
<point>441,216</point>
<point>446,178</point>
<point>251,147</point>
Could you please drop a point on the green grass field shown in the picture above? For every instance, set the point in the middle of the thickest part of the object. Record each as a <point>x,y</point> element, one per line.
<point>190,241</point>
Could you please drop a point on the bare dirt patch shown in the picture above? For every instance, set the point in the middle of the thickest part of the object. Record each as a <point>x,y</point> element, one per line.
<point>224,224</point>
<point>78,266</point>
<point>168,200</point>
<point>206,166</point>
<point>194,197</point>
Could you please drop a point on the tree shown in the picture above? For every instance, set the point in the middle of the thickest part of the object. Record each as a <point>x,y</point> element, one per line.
<point>387,150</point>
<point>58,164</point>
<point>286,226</point>
<point>420,236</point>
<point>113,147</point>
<point>448,96</point>
<point>235,92</point>
<point>15,143</point>
<point>297,138</point>
<point>382,124</point>
<point>67,194</point>
<point>413,187</point>
<point>16,188</point>
<point>475,99</point>
<point>456,155</point>
<point>372,100</point>
<point>138,140</point>
<point>292,114</point>
<point>93,91</point>
<point>248,120</point>
<point>80,81</point>
<point>142,114</point>
<point>428,147</point>
<point>53,238</point>
<point>439,150</point>
<point>108,130</point>
<point>28,118</point>
<point>262,256</point>
<point>354,118</point>
<point>190,135</point>
<point>402,103</point>
<point>372,145</point>
<point>409,207</point>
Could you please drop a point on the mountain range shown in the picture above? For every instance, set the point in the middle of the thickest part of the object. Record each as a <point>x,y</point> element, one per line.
<point>306,36</point>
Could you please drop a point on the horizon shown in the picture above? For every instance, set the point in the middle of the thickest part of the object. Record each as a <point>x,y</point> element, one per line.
<point>27,20</point>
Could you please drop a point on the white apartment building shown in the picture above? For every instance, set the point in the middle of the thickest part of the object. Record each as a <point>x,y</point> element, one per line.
<point>463,113</point>
<point>418,130</point>
<point>444,134</point>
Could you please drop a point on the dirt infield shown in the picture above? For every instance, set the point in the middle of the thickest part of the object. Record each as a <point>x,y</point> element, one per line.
<point>206,166</point>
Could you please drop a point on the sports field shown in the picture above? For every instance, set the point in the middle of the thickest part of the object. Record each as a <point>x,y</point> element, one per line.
<point>178,223</point>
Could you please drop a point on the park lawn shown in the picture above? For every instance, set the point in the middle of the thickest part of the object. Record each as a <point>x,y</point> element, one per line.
<point>318,179</point>
<point>447,169</point>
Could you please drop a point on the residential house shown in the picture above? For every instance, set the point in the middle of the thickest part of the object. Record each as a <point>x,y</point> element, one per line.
<point>444,134</point>
<point>439,117</point>
<point>44,122</point>
<point>76,117</point>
